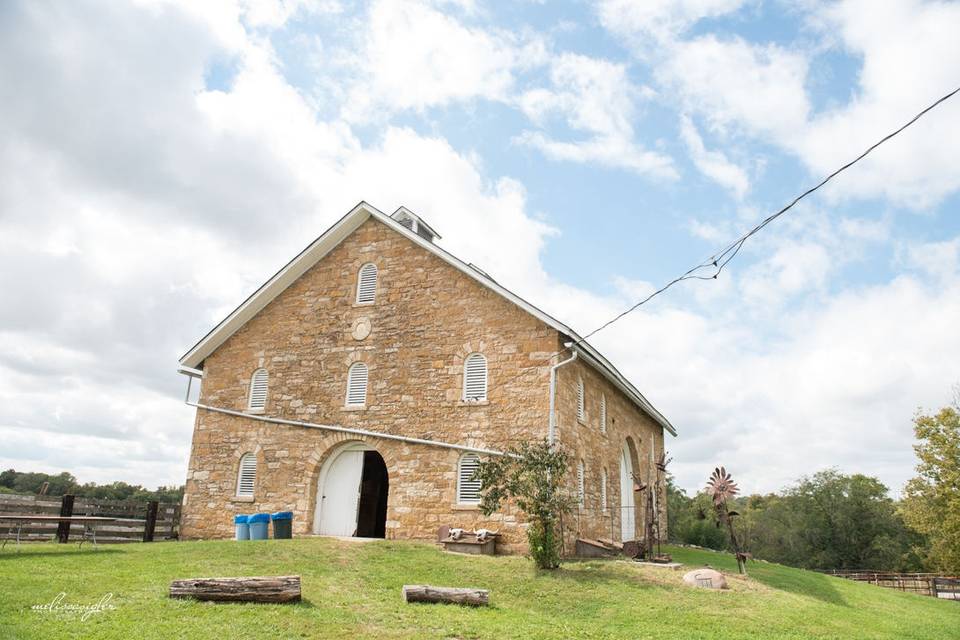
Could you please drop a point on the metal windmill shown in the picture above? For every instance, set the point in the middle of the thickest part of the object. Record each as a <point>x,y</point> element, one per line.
<point>721,488</point>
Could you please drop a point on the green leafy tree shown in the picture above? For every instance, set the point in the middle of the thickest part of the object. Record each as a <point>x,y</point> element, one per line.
<point>931,503</point>
<point>13,481</point>
<point>532,476</point>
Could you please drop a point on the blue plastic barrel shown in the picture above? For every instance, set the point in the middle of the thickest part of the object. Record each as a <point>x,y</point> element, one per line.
<point>282,525</point>
<point>243,529</point>
<point>259,526</point>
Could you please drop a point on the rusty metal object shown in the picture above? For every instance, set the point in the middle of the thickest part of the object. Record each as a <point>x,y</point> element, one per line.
<point>721,488</point>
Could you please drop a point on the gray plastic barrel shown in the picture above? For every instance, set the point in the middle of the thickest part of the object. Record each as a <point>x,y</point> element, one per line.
<point>259,525</point>
<point>243,529</point>
<point>282,525</point>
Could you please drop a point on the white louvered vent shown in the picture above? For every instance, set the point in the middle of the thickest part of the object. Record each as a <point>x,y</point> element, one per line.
<point>581,413</point>
<point>247,476</point>
<point>580,489</point>
<point>603,490</point>
<point>603,414</point>
<point>357,385</point>
<point>367,283</point>
<point>468,489</point>
<point>258,390</point>
<point>475,377</point>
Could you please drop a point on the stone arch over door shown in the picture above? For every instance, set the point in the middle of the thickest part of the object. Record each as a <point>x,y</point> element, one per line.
<point>351,490</point>
<point>629,511</point>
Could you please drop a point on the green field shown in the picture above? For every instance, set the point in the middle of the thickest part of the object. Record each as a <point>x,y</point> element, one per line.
<point>352,589</point>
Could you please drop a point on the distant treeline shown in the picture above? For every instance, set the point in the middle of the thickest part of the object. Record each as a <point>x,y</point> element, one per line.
<point>28,482</point>
<point>834,521</point>
<point>825,521</point>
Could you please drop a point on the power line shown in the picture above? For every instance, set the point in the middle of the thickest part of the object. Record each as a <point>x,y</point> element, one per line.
<point>720,260</point>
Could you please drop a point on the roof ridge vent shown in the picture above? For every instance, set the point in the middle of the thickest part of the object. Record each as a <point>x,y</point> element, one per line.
<point>415,223</point>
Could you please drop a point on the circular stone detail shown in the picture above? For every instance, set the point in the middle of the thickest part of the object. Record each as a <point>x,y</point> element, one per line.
<point>361,328</point>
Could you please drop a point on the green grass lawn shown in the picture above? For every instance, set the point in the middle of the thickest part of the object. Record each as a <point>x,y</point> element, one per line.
<point>352,590</point>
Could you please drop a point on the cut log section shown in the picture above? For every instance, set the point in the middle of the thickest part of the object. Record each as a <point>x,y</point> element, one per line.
<point>448,595</point>
<point>253,589</point>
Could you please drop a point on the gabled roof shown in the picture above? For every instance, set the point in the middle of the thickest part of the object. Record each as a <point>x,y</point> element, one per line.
<point>320,247</point>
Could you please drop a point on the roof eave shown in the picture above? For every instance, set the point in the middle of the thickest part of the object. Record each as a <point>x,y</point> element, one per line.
<point>601,364</point>
<point>280,280</point>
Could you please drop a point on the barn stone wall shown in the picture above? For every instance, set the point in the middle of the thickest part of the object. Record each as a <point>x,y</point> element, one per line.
<point>583,439</point>
<point>426,319</point>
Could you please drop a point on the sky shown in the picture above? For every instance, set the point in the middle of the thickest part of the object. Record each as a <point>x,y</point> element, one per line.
<point>161,159</point>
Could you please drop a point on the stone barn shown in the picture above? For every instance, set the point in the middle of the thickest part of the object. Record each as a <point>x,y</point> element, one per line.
<point>362,384</point>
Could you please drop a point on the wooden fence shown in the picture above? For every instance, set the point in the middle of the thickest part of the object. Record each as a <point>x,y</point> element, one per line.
<point>927,584</point>
<point>155,521</point>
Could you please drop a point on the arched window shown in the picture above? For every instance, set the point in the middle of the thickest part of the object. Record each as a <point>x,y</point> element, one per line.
<point>357,385</point>
<point>581,498</point>
<point>367,283</point>
<point>258,390</point>
<point>603,490</point>
<point>603,414</point>
<point>581,412</point>
<point>468,488</point>
<point>247,475</point>
<point>475,377</point>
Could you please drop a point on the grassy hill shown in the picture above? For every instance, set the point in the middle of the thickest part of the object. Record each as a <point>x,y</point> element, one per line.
<point>352,590</point>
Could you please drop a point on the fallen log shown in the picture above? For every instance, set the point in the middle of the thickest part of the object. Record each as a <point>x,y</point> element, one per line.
<point>449,595</point>
<point>252,589</point>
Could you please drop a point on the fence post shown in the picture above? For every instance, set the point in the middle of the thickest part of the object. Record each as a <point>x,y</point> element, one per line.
<point>66,510</point>
<point>151,522</point>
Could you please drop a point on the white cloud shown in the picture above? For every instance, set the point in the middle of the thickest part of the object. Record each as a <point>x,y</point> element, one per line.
<point>594,97</point>
<point>841,371</point>
<point>413,56</point>
<point>732,82</point>
<point>713,164</point>
<point>908,60</point>
<point>940,260</point>
<point>761,90</point>
<point>659,20</point>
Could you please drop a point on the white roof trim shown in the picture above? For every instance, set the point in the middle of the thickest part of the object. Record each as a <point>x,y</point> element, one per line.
<point>334,236</point>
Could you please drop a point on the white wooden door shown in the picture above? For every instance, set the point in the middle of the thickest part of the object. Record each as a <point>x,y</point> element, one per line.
<point>628,516</point>
<point>341,495</point>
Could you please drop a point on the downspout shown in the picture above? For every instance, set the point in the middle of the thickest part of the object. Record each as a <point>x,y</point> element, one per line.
<point>552,430</point>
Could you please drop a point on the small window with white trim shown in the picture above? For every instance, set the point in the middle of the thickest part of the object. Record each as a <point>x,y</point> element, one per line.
<point>581,492</point>
<point>247,475</point>
<point>581,411</point>
<point>475,378</point>
<point>603,414</point>
<point>468,487</point>
<point>367,284</point>
<point>603,490</point>
<point>258,390</point>
<point>357,385</point>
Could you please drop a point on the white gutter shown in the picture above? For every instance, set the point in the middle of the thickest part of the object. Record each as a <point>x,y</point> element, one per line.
<point>191,374</point>
<point>196,373</point>
<point>356,432</point>
<point>552,430</point>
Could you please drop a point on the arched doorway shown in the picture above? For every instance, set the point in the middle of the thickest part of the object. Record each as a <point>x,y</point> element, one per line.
<point>352,493</point>
<point>628,516</point>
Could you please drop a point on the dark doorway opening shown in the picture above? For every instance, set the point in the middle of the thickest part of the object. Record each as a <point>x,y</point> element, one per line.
<point>374,487</point>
